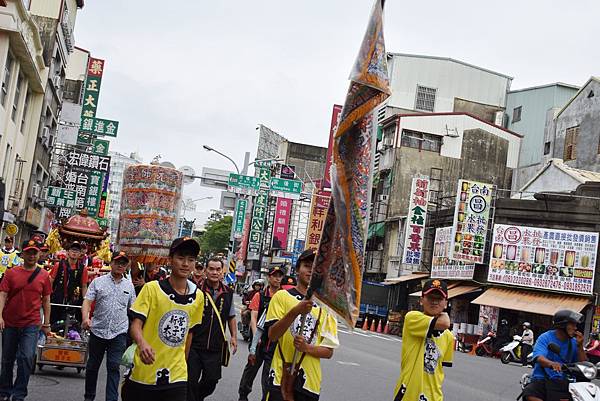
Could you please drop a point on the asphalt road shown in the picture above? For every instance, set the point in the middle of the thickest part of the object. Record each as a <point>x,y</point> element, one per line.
<point>365,367</point>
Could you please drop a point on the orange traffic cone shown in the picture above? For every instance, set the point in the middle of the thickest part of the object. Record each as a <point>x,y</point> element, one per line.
<point>373,327</point>
<point>365,326</point>
<point>386,329</point>
<point>379,327</point>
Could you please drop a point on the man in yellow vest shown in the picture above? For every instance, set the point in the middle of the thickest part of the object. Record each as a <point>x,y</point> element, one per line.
<point>8,255</point>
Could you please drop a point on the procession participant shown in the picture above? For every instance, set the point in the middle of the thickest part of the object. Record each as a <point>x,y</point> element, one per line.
<point>44,260</point>
<point>315,341</point>
<point>206,354</point>
<point>8,255</point>
<point>262,354</point>
<point>162,318</point>
<point>198,275</point>
<point>113,295</point>
<point>23,291</point>
<point>427,345</point>
<point>69,282</point>
<point>151,272</point>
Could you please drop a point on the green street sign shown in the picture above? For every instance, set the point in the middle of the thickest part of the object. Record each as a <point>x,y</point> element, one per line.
<point>240,216</point>
<point>84,138</point>
<point>99,126</point>
<point>100,147</point>
<point>284,188</point>
<point>102,221</point>
<point>243,184</point>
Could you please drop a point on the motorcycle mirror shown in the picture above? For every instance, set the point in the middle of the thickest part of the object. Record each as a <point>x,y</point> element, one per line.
<point>554,348</point>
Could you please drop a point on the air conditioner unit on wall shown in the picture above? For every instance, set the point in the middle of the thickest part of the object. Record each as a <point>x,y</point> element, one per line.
<point>388,141</point>
<point>45,136</point>
<point>36,190</point>
<point>57,81</point>
<point>383,198</point>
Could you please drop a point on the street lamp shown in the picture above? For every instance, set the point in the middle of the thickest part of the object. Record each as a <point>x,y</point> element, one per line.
<point>209,149</point>
<point>191,202</point>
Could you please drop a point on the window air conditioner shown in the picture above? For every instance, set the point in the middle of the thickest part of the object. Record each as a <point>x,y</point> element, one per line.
<point>57,81</point>
<point>36,190</point>
<point>383,198</point>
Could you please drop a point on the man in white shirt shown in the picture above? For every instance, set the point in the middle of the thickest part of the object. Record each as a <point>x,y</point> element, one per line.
<point>526,342</point>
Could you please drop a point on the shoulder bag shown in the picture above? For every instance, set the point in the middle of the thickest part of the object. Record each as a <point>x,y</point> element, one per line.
<point>225,353</point>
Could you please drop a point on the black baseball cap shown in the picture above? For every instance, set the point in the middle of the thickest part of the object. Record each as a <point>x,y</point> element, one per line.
<point>30,244</point>
<point>435,285</point>
<point>186,243</point>
<point>75,244</point>
<point>275,269</point>
<point>307,255</point>
<point>119,255</point>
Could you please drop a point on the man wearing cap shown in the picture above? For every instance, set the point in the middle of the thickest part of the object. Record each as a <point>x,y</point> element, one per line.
<point>427,345</point>
<point>114,294</point>
<point>69,281</point>
<point>8,255</point>
<point>44,260</point>
<point>205,360</point>
<point>162,318</point>
<point>261,349</point>
<point>23,291</point>
<point>313,341</point>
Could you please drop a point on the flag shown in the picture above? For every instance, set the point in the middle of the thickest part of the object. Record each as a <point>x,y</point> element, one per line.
<point>338,266</point>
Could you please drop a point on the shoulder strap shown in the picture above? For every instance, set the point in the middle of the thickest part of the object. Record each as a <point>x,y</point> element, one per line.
<point>212,303</point>
<point>34,275</point>
<point>312,335</point>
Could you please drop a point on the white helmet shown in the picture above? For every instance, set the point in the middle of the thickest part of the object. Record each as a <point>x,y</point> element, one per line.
<point>527,324</point>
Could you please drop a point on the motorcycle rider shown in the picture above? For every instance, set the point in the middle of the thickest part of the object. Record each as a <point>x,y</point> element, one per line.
<point>593,348</point>
<point>486,327</point>
<point>548,382</point>
<point>526,342</point>
<point>245,313</point>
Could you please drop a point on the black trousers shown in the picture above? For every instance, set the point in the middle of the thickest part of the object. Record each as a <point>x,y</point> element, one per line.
<point>204,372</point>
<point>250,372</point>
<point>275,395</point>
<point>525,350</point>
<point>132,391</point>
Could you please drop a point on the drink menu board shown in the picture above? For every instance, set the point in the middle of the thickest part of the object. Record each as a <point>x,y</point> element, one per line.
<point>544,258</point>
<point>441,264</point>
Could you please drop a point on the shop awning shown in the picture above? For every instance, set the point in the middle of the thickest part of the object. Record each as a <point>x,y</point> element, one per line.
<point>376,229</point>
<point>531,301</point>
<point>455,290</point>
<point>407,277</point>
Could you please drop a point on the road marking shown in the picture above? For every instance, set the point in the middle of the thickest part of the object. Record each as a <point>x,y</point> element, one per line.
<point>348,363</point>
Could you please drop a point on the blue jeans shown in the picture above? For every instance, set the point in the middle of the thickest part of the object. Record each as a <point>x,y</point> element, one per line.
<point>114,349</point>
<point>19,344</point>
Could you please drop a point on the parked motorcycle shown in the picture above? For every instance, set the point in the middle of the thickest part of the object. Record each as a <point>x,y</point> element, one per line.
<point>511,352</point>
<point>579,375</point>
<point>485,346</point>
<point>462,346</point>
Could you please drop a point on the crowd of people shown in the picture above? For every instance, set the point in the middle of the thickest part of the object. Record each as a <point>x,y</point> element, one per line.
<point>173,328</point>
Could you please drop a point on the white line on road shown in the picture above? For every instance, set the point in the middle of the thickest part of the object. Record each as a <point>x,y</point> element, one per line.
<point>348,363</point>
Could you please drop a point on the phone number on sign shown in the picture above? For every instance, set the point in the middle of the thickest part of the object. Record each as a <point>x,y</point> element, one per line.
<point>543,283</point>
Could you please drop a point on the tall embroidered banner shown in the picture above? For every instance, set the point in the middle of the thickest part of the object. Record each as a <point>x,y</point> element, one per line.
<point>338,268</point>
<point>415,221</point>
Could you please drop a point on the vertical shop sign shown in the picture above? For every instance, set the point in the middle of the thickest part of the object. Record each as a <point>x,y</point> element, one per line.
<point>471,219</point>
<point>415,221</point>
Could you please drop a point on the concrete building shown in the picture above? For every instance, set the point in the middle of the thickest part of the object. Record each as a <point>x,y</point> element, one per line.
<point>526,114</point>
<point>118,163</point>
<point>429,84</point>
<point>56,21</point>
<point>443,146</point>
<point>573,134</point>
<point>23,77</point>
<point>556,177</point>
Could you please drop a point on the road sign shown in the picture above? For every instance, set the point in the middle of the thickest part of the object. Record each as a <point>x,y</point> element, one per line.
<point>283,188</point>
<point>60,197</point>
<point>243,184</point>
<point>240,216</point>
<point>99,126</point>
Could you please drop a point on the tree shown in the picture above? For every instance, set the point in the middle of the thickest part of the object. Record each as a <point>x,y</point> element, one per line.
<point>216,236</point>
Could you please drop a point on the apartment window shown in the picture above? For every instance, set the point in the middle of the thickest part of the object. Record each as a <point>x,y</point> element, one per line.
<point>17,98</point>
<point>517,114</point>
<point>7,155</point>
<point>421,141</point>
<point>25,108</point>
<point>6,81</point>
<point>570,152</point>
<point>546,148</point>
<point>425,98</point>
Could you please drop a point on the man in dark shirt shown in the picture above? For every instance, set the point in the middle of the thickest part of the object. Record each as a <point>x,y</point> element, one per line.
<point>205,357</point>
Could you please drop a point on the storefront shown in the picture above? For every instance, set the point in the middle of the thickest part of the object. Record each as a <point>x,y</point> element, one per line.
<point>536,307</point>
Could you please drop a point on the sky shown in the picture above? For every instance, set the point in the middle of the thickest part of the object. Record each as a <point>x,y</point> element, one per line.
<point>180,75</point>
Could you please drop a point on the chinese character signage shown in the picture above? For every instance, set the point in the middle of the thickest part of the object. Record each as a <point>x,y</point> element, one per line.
<point>544,258</point>
<point>318,213</point>
<point>83,161</point>
<point>281,223</point>
<point>441,264</point>
<point>99,126</point>
<point>100,147</point>
<point>259,212</point>
<point>415,221</point>
<point>240,217</point>
<point>471,218</point>
<point>243,184</point>
<point>91,90</point>
<point>60,197</point>
<point>283,188</point>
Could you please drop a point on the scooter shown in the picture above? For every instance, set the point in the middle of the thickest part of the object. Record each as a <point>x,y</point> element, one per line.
<point>485,346</point>
<point>462,346</point>
<point>579,375</point>
<point>511,352</point>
